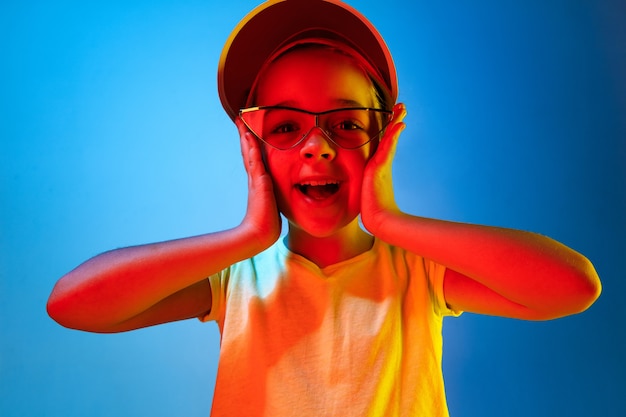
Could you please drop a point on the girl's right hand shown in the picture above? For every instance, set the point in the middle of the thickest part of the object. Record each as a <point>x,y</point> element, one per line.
<point>262,218</point>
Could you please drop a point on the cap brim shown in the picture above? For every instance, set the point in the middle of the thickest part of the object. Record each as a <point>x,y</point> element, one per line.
<point>274,23</point>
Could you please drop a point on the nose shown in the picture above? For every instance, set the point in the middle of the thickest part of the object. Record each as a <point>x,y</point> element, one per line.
<point>317,145</point>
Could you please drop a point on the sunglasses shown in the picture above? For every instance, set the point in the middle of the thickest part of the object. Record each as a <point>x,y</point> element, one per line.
<point>285,127</point>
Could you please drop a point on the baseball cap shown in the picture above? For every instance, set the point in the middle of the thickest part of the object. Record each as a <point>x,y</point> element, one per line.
<point>276,23</point>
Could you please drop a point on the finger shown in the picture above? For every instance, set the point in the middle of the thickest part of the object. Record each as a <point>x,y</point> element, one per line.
<point>241,127</point>
<point>245,149</point>
<point>243,140</point>
<point>253,156</point>
<point>399,112</point>
<point>389,141</point>
<point>250,151</point>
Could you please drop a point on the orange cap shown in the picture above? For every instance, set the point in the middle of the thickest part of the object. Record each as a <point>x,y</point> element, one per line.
<point>276,23</point>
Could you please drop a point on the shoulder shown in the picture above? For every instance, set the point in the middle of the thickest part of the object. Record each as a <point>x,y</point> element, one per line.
<point>424,278</point>
<point>399,259</point>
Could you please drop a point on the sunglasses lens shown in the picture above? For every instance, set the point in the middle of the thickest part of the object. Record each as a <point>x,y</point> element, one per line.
<point>280,128</point>
<point>284,128</point>
<point>353,128</point>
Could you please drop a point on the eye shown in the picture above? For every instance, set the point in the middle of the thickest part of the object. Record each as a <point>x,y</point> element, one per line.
<point>284,128</point>
<point>347,121</point>
<point>283,122</point>
<point>348,124</point>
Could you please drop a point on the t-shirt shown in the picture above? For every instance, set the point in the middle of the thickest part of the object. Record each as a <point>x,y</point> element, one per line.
<point>359,338</point>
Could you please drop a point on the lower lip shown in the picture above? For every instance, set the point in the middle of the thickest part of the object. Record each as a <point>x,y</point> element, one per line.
<point>320,202</point>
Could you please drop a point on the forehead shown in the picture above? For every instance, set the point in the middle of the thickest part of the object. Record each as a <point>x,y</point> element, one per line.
<point>315,79</point>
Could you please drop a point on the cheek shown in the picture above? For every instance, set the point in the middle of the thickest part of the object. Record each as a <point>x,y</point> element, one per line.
<point>356,168</point>
<point>273,161</point>
<point>361,157</point>
<point>278,166</point>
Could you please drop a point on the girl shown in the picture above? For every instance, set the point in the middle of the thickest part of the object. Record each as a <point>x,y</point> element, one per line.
<point>331,319</point>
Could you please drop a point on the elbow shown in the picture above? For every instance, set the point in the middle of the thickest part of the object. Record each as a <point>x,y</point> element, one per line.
<point>72,309</point>
<point>59,312</point>
<point>52,306</point>
<point>62,308</point>
<point>56,311</point>
<point>590,286</point>
<point>578,292</point>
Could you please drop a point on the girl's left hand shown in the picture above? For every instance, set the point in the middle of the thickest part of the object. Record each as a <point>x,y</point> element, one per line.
<point>377,197</point>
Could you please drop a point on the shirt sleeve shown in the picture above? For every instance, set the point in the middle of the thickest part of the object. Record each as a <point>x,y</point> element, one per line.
<point>436,274</point>
<point>217,283</point>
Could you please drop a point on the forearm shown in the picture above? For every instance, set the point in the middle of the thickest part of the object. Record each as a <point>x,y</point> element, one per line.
<point>118,285</point>
<point>145,285</point>
<point>526,268</point>
<point>496,271</point>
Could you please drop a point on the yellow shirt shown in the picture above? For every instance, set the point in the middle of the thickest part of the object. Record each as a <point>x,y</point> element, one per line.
<point>358,338</point>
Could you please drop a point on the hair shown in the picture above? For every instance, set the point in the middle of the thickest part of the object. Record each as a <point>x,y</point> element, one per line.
<point>380,93</point>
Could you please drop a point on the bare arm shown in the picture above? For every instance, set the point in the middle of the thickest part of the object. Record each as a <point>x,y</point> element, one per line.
<point>139,286</point>
<point>499,271</point>
<point>106,292</point>
<point>491,270</point>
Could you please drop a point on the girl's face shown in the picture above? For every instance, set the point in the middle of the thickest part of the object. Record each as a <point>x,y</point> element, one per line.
<point>317,184</point>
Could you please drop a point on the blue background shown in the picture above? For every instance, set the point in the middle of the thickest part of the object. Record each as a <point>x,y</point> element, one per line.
<point>111,134</point>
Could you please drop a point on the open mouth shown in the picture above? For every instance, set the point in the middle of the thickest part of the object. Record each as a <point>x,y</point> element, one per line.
<point>318,190</point>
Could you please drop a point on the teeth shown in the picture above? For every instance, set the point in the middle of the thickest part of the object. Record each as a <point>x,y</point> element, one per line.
<point>319,189</point>
<point>319,183</point>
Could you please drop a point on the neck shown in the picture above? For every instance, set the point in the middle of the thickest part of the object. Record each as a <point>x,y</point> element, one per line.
<point>344,244</point>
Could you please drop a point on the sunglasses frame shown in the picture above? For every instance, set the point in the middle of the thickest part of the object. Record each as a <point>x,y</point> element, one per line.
<point>243,111</point>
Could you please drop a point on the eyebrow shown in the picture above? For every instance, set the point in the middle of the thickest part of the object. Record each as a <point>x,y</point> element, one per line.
<point>340,101</point>
<point>352,103</point>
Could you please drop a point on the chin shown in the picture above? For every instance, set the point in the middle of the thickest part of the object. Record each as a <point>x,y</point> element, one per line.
<point>321,228</point>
